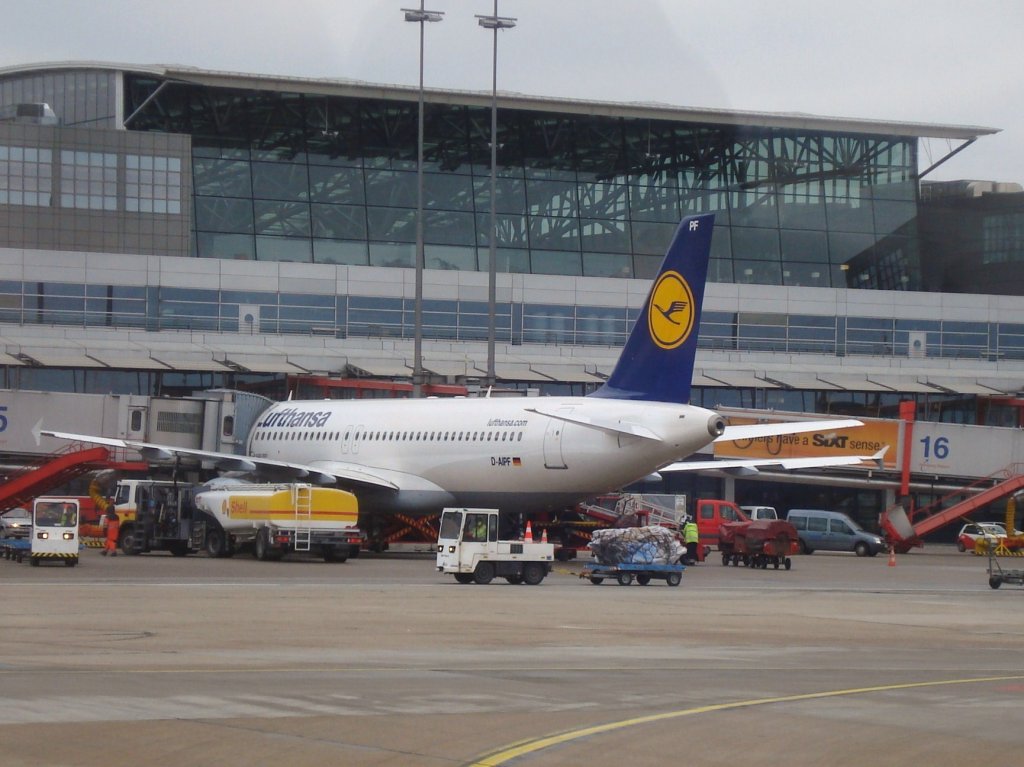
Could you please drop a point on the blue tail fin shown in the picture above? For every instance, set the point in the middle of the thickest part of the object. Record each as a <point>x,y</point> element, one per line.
<point>657,362</point>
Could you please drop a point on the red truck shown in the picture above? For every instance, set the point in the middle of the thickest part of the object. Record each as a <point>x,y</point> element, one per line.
<point>710,514</point>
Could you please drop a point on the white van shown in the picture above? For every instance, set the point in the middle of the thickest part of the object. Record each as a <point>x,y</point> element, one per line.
<point>760,512</point>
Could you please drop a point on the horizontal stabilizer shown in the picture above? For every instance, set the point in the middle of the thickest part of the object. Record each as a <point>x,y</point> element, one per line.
<point>751,466</point>
<point>759,430</point>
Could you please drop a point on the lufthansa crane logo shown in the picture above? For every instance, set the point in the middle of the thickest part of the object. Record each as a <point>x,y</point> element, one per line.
<point>670,313</point>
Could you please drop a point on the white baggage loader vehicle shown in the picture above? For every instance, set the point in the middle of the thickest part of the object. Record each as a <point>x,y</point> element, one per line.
<point>55,531</point>
<point>468,548</point>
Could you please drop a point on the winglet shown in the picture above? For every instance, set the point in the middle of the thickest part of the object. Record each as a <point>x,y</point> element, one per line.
<point>657,361</point>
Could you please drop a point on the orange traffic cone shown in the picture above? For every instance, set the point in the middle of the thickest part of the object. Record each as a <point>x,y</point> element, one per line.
<point>528,535</point>
<point>544,535</point>
<point>892,557</point>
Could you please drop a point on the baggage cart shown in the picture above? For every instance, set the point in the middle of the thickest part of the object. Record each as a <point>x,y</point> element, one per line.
<point>625,573</point>
<point>758,544</point>
<point>997,576</point>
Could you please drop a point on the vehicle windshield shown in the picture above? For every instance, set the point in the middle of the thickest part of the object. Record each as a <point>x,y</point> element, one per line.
<point>56,514</point>
<point>451,524</point>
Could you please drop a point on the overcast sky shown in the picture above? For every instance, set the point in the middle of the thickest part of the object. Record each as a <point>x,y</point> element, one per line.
<point>932,61</point>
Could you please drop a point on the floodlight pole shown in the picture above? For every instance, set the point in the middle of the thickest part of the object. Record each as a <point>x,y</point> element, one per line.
<point>419,16</point>
<point>495,23</point>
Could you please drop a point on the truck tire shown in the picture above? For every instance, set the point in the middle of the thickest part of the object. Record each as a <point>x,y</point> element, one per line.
<point>484,573</point>
<point>215,542</point>
<point>127,541</point>
<point>335,553</point>
<point>70,561</point>
<point>533,573</point>
<point>464,578</point>
<point>261,546</point>
<point>178,548</point>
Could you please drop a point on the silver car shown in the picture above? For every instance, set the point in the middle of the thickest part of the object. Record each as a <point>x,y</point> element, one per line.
<point>16,523</point>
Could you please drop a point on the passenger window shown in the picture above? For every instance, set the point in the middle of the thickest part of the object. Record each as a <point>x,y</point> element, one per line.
<point>707,512</point>
<point>838,526</point>
<point>728,513</point>
<point>817,524</point>
<point>800,523</point>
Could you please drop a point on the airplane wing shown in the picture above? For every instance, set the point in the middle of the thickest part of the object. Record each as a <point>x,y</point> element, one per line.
<point>326,473</point>
<point>750,466</point>
<point>758,430</point>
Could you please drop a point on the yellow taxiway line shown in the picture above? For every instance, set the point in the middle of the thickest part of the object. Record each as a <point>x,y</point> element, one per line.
<point>524,748</point>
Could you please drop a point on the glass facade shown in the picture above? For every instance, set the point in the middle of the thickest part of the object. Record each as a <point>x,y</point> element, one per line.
<point>167,308</point>
<point>80,97</point>
<point>282,176</point>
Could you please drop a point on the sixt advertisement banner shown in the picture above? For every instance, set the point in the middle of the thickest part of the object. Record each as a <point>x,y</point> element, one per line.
<point>861,440</point>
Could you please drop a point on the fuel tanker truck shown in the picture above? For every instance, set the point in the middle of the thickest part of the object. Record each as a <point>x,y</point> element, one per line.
<point>225,515</point>
<point>277,518</point>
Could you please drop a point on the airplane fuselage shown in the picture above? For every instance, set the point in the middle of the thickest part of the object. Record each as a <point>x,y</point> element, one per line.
<point>489,452</point>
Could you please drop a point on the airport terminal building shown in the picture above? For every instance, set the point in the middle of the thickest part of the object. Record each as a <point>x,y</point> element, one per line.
<point>168,229</point>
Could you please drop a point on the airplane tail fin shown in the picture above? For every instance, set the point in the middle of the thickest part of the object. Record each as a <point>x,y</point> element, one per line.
<point>657,361</point>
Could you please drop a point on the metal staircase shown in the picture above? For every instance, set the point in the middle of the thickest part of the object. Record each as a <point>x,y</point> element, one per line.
<point>53,471</point>
<point>905,531</point>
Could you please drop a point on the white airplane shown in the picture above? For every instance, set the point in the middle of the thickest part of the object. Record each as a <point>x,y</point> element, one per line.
<point>516,454</point>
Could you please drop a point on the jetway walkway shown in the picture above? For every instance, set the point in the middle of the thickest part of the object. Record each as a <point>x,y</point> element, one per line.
<point>904,533</point>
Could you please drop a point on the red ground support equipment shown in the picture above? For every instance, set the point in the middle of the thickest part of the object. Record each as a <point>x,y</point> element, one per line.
<point>758,543</point>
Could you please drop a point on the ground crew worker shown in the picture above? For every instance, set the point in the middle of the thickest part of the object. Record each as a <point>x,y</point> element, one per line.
<point>113,528</point>
<point>67,515</point>
<point>691,539</point>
